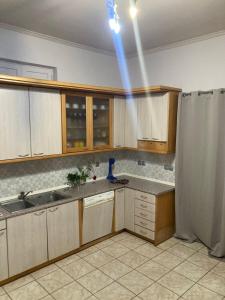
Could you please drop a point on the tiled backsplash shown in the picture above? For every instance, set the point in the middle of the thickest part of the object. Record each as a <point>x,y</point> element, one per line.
<point>43,174</point>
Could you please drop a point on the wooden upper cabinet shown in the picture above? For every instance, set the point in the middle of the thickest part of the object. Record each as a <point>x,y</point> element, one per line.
<point>157,117</point>
<point>87,122</point>
<point>119,122</point>
<point>131,123</point>
<point>14,123</point>
<point>45,119</point>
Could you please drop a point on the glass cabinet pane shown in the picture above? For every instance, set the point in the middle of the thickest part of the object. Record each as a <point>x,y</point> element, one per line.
<point>101,121</point>
<point>76,121</point>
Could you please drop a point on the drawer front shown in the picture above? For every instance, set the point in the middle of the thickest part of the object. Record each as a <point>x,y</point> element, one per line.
<point>144,223</point>
<point>145,197</point>
<point>145,205</point>
<point>144,214</point>
<point>145,232</point>
<point>2,224</point>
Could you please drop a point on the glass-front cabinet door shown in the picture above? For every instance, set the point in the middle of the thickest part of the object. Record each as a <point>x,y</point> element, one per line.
<point>75,123</point>
<point>102,110</point>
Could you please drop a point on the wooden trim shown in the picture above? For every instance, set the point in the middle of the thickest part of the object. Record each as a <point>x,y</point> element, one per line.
<point>31,82</point>
<point>90,122</point>
<point>114,216</point>
<point>64,125</point>
<point>111,121</point>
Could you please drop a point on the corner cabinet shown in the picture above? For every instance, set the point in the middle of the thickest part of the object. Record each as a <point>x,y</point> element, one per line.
<point>86,122</point>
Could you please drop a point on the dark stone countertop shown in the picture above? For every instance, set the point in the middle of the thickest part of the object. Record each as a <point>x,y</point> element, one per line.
<point>98,187</point>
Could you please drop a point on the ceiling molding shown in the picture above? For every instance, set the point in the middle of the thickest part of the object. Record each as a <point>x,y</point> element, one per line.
<point>200,38</point>
<point>55,39</point>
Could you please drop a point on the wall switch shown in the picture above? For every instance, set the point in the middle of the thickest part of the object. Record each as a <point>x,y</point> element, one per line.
<point>143,163</point>
<point>168,167</point>
<point>97,164</point>
<point>139,162</point>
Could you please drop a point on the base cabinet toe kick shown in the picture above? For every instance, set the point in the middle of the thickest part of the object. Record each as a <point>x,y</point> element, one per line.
<point>33,240</point>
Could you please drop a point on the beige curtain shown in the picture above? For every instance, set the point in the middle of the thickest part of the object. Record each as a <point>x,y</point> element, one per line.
<point>200,169</point>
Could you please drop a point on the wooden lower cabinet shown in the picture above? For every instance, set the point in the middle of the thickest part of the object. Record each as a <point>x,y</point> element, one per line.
<point>119,209</point>
<point>27,241</point>
<point>3,256</point>
<point>63,229</point>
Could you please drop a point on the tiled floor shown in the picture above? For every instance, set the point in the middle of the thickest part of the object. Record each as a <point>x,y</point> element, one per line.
<point>126,267</point>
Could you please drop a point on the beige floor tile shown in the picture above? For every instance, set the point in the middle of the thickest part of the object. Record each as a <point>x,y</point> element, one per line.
<point>153,270</point>
<point>67,260</point>
<point>55,280</point>
<point>4,297</point>
<point>190,271</point>
<point>220,269</point>
<point>214,283</point>
<point>115,269</point>
<point>87,251</point>
<point>98,259</point>
<point>92,298</point>
<point>29,291</point>
<point>95,281</point>
<point>45,271</point>
<point>176,283</point>
<point>132,242</point>
<point>47,298</point>
<point>203,261</point>
<point>168,260</point>
<point>18,283</point>
<point>157,292</point>
<point>72,291</point>
<point>195,245</point>
<point>2,292</point>
<point>78,268</point>
<point>104,244</point>
<point>198,292</point>
<point>148,250</point>
<point>167,244</point>
<point>121,236</point>
<point>133,259</point>
<point>115,292</point>
<point>115,250</point>
<point>204,250</point>
<point>135,282</point>
<point>181,251</point>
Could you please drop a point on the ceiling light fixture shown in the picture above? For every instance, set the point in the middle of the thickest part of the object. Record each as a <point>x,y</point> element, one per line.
<point>114,17</point>
<point>133,9</point>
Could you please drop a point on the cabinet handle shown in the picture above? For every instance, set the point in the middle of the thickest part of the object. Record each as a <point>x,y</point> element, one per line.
<point>53,209</point>
<point>143,197</point>
<point>143,206</point>
<point>25,155</point>
<point>39,213</point>
<point>144,215</point>
<point>2,233</point>
<point>39,153</point>
<point>120,191</point>
<point>142,223</point>
<point>143,232</point>
<point>154,139</point>
<point>144,138</point>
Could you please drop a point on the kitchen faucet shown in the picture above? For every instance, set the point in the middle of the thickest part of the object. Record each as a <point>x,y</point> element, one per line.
<point>23,195</point>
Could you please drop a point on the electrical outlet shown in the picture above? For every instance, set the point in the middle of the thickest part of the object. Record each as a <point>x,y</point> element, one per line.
<point>139,163</point>
<point>168,167</point>
<point>143,163</point>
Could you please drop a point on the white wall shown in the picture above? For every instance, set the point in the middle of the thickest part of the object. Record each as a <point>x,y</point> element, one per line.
<point>196,66</point>
<point>73,64</point>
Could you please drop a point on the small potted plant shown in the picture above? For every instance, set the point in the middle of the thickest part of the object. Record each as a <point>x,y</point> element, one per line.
<point>79,177</point>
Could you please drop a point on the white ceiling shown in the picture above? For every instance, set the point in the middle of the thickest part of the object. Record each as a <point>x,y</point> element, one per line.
<point>161,22</point>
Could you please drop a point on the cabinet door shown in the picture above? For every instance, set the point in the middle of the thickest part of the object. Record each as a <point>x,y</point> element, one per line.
<point>119,209</point>
<point>27,241</point>
<point>75,109</point>
<point>159,118</point>
<point>119,122</point>
<point>131,123</point>
<point>14,123</point>
<point>63,229</point>
<point>129,209</point>
<point>102,122</point>
<point>3,256</point>
<point>45,118</point>
<point>144,118</point>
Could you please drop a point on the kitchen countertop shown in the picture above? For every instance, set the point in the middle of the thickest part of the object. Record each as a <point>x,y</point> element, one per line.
<point>98,187</point>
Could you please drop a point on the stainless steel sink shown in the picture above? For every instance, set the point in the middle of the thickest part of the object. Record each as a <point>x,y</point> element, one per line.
<point>45,198</point>
<point>16,205</point>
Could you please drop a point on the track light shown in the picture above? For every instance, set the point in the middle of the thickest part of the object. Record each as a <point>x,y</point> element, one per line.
<point>114,17</point>
<point>133,9</point>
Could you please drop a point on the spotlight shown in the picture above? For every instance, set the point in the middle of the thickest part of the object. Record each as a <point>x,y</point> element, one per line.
<point>133,9</point>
